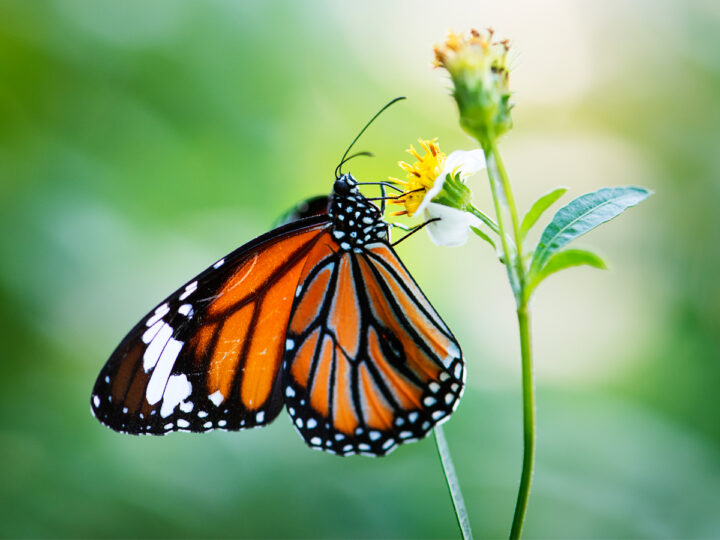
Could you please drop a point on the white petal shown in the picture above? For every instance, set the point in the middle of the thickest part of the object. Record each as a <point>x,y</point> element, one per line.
<point>468,161</point>
<point>431,193</point>
<point>453,228</point>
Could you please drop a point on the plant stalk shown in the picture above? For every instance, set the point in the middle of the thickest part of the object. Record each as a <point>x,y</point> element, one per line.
<point>452,483</point>
<point>518,281</point>
<point>496,183</point>
<point>528,392</point>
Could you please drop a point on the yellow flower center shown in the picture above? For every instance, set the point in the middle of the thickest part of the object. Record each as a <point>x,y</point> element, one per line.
<point>421,175</point>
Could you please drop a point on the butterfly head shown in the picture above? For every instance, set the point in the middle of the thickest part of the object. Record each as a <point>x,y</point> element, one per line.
<point>356,220</point>
<point>345,186</point>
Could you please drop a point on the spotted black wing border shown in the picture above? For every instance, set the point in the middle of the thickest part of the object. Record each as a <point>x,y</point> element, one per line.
<point>408,426</point>
<point>193,411</point>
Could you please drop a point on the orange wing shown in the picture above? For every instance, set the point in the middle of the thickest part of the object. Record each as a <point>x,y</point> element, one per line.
<point>209,356</point>
<point>369,363</point>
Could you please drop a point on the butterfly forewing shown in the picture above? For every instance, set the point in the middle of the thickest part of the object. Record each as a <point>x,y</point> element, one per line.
<point>369,363</point>
<point>210,355</point>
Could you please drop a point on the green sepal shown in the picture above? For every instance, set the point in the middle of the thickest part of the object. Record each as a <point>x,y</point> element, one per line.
<point>454,193</point>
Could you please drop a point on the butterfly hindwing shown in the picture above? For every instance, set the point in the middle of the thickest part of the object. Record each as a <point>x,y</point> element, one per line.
<point>369,363</point>
<point>210,355</point>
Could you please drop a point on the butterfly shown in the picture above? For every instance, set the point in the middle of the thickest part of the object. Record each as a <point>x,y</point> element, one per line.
<point>319,316</point>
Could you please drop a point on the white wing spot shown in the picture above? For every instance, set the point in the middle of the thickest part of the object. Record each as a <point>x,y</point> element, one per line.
<point>152,353</point>
<point>347,447</point>
<point>168,427</point>
<point>316,441</point>
<point>183,423</point>
<point>260,417</point>
<point>374,435</point>
<point>444,376</point>
<point>289,344</point>
<point>189,289</point>
<point>159,377</point>
<point>299,422</point>
<point>160,312</point>
<point>219,263</point>
<point>339,436</point>
<point>437,415</point>
<point>207,425</point>
<point>186,309</point>
<point>388,444</point>
<point>363,446</point>
<point>222,423</point>
<point>177,389</point>
<point>429,401</point>
<point>187,406</point>
<point>96,401</point>
<point>202,414</point>
<point>413,416</point>
<point>148,336</point>
<point>458,370</point>
<point>216,397</point>
<point>449,398</point>
<point>434,387</point>
<point>289,392</point>
<point>406,434</point>
<point>311,423</point>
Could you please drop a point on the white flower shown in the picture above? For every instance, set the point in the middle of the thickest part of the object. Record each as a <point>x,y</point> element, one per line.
<point>453,225</point>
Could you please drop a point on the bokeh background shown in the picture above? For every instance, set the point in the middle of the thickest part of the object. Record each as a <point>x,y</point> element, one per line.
<point>140,141</point>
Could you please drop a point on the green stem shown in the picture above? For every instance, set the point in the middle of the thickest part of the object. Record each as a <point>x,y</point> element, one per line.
<point>495,183</point>
<point>518,281</point>
<point>528,392</point>
<point>487,220</point>
<point>452,483</point>
<point>497,173</point>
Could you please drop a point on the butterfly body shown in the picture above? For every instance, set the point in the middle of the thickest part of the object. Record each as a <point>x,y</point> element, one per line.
<point>319,315</point>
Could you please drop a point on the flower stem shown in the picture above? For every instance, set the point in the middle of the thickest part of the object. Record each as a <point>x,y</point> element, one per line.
<point>452,483</point>
<point>496,185</point>
<point>498,174</point>
<point>528,392</point>
<point>487,220</point>
<point>517,273</point>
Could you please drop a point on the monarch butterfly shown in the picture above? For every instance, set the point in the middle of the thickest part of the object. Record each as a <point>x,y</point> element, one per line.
<point>319,315</point>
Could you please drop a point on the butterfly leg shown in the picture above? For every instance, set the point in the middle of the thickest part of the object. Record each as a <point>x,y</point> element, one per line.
<point>412,230</point>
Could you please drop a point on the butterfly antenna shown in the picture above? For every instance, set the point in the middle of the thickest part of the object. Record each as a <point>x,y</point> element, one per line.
<point>338,169</point>
<point>356,154</point>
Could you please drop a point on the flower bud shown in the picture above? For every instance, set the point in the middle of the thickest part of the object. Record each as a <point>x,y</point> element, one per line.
<point>479,73</point>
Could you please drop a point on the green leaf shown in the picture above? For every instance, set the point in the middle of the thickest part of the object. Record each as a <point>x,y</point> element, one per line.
<point>581,216</point>
<point>562,260</point>
<point>497,247</point>
<point>484,236</point>
<point>538,209</point>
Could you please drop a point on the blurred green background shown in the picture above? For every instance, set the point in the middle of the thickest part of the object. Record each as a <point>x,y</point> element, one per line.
<point>140,141</point>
